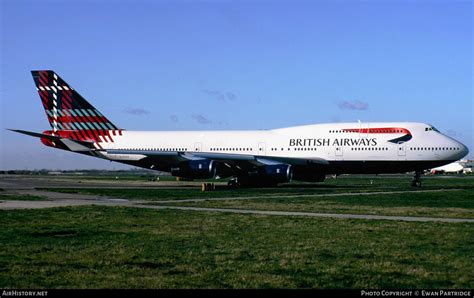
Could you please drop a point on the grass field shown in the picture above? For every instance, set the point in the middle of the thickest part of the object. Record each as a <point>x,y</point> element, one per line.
<point>122,247</point>
<point>460,204</point>
<point>339,185</point>
<point>113,247</point>
<point>455,197</point>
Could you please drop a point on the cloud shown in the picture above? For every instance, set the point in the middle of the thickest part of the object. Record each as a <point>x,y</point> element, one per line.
<point>211,92</point>
<point>230,96</point>
<point>220,95</point>
<point>353,105</point>
<point>201,119</point>
<point>136,111</point>
<point>174,118</point>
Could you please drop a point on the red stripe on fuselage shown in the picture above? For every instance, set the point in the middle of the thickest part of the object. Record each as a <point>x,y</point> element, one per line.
<point>378,130</point>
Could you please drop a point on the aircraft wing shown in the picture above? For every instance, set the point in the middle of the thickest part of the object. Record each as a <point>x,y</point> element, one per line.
<point>260,160</point>
<point>229,159</point>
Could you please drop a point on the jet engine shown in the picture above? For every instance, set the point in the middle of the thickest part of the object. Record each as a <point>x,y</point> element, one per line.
<point>277,173</point>
<point>195,169</point>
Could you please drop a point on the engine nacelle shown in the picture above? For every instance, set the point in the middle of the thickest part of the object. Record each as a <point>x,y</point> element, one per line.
<point>195,169</point>
<point>277,173</point>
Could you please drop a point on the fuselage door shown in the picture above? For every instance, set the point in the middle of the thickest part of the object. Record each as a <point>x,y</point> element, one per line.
<point>261,148</point>
<point>401,150</point>
<point>197,147</point>
<point>338,153</point>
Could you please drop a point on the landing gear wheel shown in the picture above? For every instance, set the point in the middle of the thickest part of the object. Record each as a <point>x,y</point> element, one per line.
<point>233,183</point>
<point>416,182</point>
<point>208,187</point>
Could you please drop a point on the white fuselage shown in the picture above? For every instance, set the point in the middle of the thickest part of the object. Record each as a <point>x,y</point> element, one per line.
<point>331,142</point>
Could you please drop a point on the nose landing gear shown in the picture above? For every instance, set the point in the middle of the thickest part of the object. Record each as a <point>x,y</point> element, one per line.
<point>416,182</point>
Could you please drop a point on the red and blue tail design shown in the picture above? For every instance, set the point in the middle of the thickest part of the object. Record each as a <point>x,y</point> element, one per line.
<point>69,114</point>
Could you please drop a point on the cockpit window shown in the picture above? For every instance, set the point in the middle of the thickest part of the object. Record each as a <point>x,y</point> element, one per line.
<point>431,128</point>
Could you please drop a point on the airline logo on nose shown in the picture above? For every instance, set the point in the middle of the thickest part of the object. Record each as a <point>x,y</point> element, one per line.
<point>385,130</point>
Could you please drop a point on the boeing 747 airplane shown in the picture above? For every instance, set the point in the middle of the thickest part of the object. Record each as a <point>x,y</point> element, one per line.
<point>249,157</point>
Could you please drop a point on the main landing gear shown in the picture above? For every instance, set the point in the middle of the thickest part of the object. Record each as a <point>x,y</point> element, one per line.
<point>416,182</point>
<point>233,183</point>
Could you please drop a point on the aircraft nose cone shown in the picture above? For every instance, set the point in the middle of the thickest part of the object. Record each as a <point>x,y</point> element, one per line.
<point>464,150</point>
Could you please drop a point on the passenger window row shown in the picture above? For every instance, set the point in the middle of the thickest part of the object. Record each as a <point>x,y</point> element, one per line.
<point>433,148</point>
<point>230,149</point>
<point>369,149</point>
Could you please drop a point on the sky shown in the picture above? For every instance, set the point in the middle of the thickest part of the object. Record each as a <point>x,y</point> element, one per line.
<point>231,65</point>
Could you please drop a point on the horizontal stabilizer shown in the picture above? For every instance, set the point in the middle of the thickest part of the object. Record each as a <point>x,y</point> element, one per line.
<point>73,145</point>
<point>36,134</point>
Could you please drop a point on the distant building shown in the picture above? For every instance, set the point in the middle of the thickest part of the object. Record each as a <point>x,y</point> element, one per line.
<point>462,166</point>
<point>55,173</point>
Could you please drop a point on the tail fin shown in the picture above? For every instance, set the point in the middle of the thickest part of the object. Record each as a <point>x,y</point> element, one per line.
<point>66,109</point>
